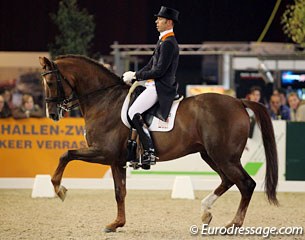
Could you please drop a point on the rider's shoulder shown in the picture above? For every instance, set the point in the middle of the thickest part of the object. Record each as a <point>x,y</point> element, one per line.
<point>168,43</point>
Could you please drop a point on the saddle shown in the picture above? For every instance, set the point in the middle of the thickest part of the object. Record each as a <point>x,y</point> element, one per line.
<point>152,116</point>
<point>152,112</point>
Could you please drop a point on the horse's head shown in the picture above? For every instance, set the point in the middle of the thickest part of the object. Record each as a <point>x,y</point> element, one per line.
<point>72,79</point>
<point>56,88</point>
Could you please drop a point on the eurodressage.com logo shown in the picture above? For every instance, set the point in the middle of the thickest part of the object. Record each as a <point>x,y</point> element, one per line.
<point>265,232</point>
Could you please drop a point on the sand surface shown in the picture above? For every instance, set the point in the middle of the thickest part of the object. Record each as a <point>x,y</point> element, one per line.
<point>150,215</point>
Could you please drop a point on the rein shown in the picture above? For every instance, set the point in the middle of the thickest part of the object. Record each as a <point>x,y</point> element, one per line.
<point>62,101</point>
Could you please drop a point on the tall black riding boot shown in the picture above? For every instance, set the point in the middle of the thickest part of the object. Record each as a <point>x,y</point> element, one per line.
<point>149,157</point>
<point>132,147</point>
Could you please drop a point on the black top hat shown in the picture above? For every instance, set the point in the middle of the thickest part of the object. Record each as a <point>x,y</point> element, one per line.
<point>168,13</point>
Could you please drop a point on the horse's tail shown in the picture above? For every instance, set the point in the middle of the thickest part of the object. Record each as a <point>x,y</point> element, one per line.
<point>264,122</point>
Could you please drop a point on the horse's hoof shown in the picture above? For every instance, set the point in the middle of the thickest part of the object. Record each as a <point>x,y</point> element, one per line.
<point>234,225</point>
<point>109,230</point>
<point>206,218</point>
<point>62,193</point>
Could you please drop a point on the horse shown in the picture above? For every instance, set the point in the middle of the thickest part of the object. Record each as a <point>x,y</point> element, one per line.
<point>217,126</point>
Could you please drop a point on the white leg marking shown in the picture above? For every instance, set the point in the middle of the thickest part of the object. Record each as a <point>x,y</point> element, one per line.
<point>208,201</point>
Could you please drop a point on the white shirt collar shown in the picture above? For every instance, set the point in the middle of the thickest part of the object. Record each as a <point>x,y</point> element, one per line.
<point>165,32</point>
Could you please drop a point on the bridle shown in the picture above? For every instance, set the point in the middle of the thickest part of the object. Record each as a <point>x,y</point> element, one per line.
<point>63,102</point>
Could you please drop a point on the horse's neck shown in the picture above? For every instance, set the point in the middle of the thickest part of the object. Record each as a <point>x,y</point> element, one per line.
<point>104,101</point>
<point>97,89</point>
<point>85,76</point>
<point>87,83</point>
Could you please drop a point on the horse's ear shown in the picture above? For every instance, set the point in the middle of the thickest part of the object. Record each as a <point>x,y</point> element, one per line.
<point>44,62</point>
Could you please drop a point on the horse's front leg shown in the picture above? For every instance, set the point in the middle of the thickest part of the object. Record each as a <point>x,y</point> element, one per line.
<point>86,154</point>
<point>119,177</point>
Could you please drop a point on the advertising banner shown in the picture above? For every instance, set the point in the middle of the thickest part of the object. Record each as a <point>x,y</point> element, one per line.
<point>33,146</point>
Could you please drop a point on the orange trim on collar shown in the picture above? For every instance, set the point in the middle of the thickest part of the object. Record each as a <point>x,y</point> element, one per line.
<point>170,34</point>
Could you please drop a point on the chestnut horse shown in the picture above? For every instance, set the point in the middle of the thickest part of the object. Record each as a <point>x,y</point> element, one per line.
<point>216,126</point>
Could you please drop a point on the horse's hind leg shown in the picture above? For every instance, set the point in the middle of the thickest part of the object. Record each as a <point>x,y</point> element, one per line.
<point>86,154</point>
<point>208,201</point>
<point>119,177</point>
<point>235,172</point>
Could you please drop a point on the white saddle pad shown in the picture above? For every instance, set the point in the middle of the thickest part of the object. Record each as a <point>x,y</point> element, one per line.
<point>157,124</point>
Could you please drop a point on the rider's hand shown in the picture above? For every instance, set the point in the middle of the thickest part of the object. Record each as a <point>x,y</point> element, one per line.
<point>128,77</point>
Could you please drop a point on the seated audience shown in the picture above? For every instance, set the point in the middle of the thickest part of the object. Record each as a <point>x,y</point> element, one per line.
<point>276,110</point>
<point>255,94</point>
<point>8,98</point>
<point>5,111</point>
<point>297,109</point>
<point>28,109</point>
<point>282,93</point>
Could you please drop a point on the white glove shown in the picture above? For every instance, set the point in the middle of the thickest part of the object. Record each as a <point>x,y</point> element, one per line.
<point>128,76</point>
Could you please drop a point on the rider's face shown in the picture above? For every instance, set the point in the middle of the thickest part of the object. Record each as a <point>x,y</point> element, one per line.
<point>163,24</point>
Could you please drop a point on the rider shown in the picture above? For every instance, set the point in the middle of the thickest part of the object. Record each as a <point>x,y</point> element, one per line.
<point>159,74</point>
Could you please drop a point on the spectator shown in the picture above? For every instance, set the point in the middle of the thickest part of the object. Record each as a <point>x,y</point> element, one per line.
<point>278,111</point>
<point>28,109</point>
<point>255,94</point>
<point>297,109</point>
<point>5,111</point>
<point>8,98</point>
<point>282,93</point>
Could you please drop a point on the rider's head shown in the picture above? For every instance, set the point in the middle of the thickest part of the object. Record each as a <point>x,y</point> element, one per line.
<point>166,19</point>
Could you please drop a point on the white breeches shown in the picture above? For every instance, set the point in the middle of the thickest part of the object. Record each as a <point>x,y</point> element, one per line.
<point>145,101</point>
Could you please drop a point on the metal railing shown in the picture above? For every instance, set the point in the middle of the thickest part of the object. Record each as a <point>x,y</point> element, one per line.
<point>124,54</point>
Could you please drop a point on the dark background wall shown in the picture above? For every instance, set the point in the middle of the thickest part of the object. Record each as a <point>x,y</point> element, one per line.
<point>26,25</point>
